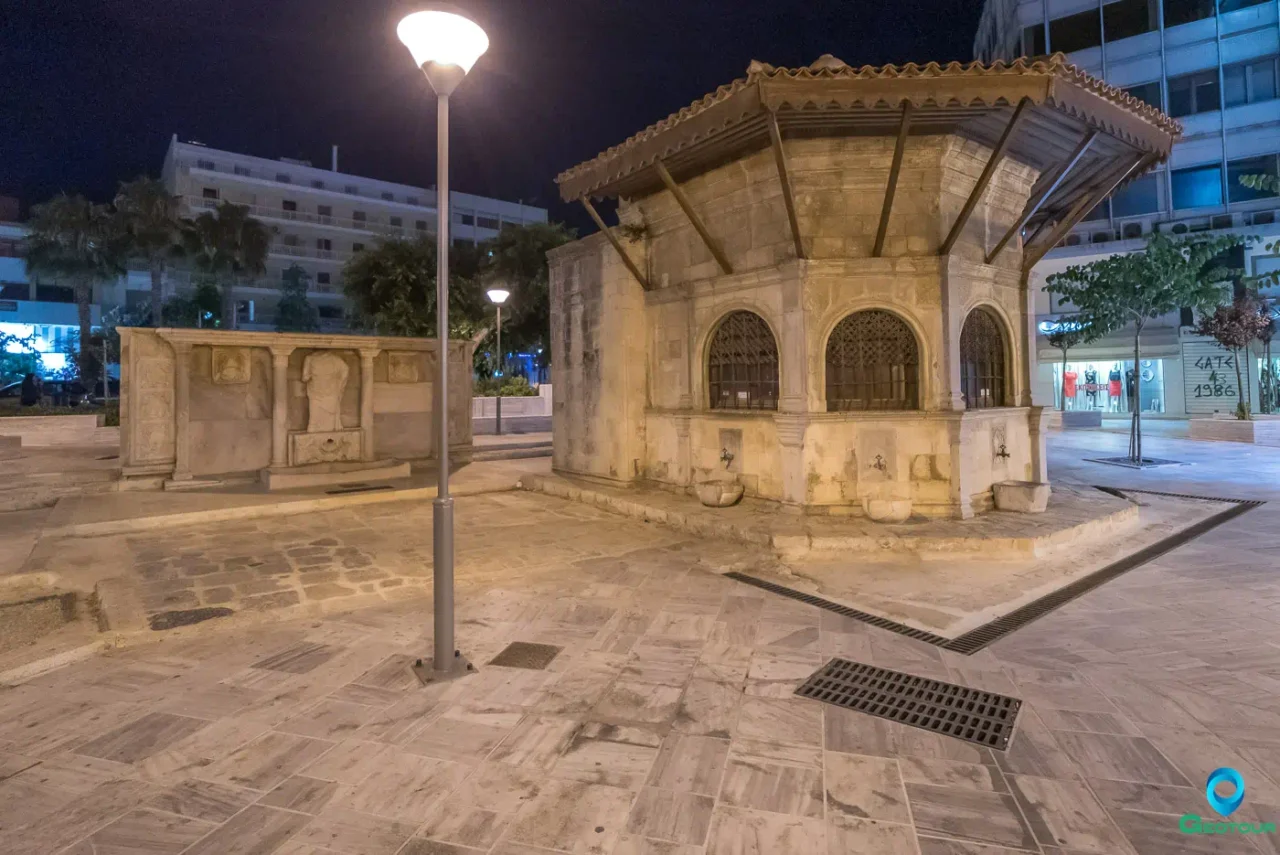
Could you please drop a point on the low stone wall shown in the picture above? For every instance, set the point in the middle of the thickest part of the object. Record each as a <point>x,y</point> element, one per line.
<point>1261,430</point>
<point>48,431</point>
<point>525,414</point>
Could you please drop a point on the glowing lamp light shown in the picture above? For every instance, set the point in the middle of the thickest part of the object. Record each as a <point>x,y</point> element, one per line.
<point>443,38</point>
<point>498,296</point>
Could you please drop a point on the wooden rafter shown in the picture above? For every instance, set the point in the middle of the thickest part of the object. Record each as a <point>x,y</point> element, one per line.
<point>985,178</point>
<point>784,178</point>
<point>613,239</point>
<point>683,201</point>
<point>1085,204</point>
<point>1034,204</point>
<point>899,147</point>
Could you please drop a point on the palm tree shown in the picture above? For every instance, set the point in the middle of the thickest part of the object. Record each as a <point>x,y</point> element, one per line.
<point>74,240</point>
<point>226,244</point>
<point>149,217</point>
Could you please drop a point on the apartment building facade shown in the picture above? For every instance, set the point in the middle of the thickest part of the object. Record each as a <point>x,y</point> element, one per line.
<point>1215,66</point>
<point>319,219</point>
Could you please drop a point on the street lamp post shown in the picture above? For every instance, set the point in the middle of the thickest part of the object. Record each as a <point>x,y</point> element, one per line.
<point>445,46</point>
<point>498,296</point>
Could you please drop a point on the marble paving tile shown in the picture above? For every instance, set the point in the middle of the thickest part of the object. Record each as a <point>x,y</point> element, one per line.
<point>398,722</point>
<point>354,833</point>
<point>708,708</point>
<point>968,815</point>
<point>951,773</point>
<point>420,846</point>
<point>574,817</point>
<point>210,703</point>
<point>1090,722</point>
<point>792,720</point>
<point>605,761</point>
<point>329,719</point>
<point>348,762</point>
<point>760,751</point>
<point>774,787</point>
<point>480,809</point>
<point>693,764</point>
<point>1149,798</point>
<point>1125,758</point>
<point>627,702</point>
<point>1065,813</point>
<point>458,739</point>
<point>267,761</point>
<point>25,800</point>
<point>403,787</point>
<point>865,788</point>
<point>256,830</point>
<point>211,802</point>
<point>299,659</point>
<point>1159,834</point>
<point>393,674</point>
<point>576,691</point>
<point>11,764</point>
<point>78,773</point>
<point>78,818</point>
<point>143,832</point>
<point>536,742</point>
<point>633,844</point>
<point>142,738</point>
<point>940,846</point>
<point>300,793</point>
<point>848,834</point>
<point>668,815</point>
<point>735,831</point>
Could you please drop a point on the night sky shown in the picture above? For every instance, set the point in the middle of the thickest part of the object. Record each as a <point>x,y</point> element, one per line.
<point>92,90</point>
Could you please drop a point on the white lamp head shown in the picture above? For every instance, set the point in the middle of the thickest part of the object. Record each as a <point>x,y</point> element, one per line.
<point>498,296</point>
<point>445,45</point>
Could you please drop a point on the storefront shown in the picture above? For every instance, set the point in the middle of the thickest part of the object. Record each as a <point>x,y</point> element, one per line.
<point>1108,385</point>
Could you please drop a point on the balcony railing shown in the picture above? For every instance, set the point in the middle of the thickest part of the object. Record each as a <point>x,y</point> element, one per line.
<point>295,251</point>
<point>370,225</point>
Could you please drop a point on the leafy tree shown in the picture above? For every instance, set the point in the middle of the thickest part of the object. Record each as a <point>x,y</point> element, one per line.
<point>1138,287</point>
<point>202,307</point>
<point>517,258</point>
<point>1264,182</point>
<point>393,288</point>
<point>76,241</point>
<point>225,245</point>
<point>1268,382</point>
<point>1072,332</point>
<point>150,221</point>
<point>294,312</point>
<point>1235,327</point>
<point>18,358</point>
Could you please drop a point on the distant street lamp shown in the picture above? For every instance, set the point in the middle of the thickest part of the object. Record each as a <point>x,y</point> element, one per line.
<point>445,46</point>
<point>498,296</point>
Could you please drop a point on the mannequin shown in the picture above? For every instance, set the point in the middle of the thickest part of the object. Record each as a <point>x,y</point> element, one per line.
<point>1069,389</point>
<point>1114,388</point>
<point>1091,386</point>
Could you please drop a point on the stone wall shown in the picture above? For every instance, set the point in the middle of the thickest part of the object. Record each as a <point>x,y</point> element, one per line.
<point>212,403</point>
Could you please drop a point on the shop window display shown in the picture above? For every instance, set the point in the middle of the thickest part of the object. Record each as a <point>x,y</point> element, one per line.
<point>1109,385</point>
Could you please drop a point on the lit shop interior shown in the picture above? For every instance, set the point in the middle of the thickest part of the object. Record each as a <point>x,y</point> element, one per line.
<point>1108,385</point>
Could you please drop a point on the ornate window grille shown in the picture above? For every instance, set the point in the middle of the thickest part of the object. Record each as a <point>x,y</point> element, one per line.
<point>742,364</point>
<point>873,363</point>
<point>982,361</point>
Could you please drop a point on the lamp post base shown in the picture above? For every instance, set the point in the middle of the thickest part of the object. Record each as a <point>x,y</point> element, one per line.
<point>425,670</point>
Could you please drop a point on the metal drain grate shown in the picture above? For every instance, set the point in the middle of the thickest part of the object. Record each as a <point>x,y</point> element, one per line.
<point>864,617</point>
<point>358,488</point>
<point>983,718</point>
<point>524,654</point>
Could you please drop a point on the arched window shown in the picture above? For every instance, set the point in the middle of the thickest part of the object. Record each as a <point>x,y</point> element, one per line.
<point>742,364</point>
<point>873,363</point>
<point>982,353</point>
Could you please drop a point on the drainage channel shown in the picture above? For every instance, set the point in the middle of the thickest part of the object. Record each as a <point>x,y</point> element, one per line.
<point>976,639</point>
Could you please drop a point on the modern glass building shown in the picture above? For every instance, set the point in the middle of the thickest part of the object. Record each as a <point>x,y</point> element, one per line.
<point>1215,69</point>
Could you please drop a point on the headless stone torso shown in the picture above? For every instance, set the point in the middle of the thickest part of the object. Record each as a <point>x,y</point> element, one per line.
<point>325,374</point>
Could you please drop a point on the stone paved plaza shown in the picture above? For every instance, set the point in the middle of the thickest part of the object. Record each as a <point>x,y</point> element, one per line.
<point>667,725</point>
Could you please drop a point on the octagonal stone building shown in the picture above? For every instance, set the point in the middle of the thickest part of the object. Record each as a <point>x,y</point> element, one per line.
<point>818,286</point>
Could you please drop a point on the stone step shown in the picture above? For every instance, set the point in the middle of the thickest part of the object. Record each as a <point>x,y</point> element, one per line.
<point>32,493</point>
<point>513,452</point>
<point>25,621</point>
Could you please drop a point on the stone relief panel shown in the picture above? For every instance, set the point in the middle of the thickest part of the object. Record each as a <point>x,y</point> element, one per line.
<point>324,375</point>
<point>332,447</point>
<point>403,367</point>
<point>230,365</point>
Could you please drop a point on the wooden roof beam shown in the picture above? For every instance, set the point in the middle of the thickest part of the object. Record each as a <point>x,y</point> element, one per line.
<point>683,201</point>
<point>985,178</point>
<point>1082,207</point>
<point>617,245</point>
<point>1034,204</point>
<point>904,127</point>
<point>784,178</point>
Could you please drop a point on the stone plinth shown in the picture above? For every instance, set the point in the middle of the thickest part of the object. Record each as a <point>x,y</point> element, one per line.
<point>1260,430</point>
<point>323,474</point>
<point>1025,497</point>
<point>1076,419</point>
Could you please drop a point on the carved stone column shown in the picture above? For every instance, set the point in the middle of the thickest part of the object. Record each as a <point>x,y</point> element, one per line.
<point>685,451</point>
<point>280,405</point>
<point>1037,419</point>
<point>182,411</point>
<point>366,403</point>
<point>791,430</point>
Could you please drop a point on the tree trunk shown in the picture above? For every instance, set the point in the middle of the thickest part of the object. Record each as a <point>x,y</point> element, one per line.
<point>1269,399</point>
<point>157,293</point>
<point>1135,431</point>
<point>1242,408</point>
<point>84,299</point>
<point>229,305</point>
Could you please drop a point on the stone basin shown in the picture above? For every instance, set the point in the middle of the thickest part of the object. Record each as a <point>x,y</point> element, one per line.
<point>888,510</point>
<point>1026,497</point>
<point>719,494</point>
